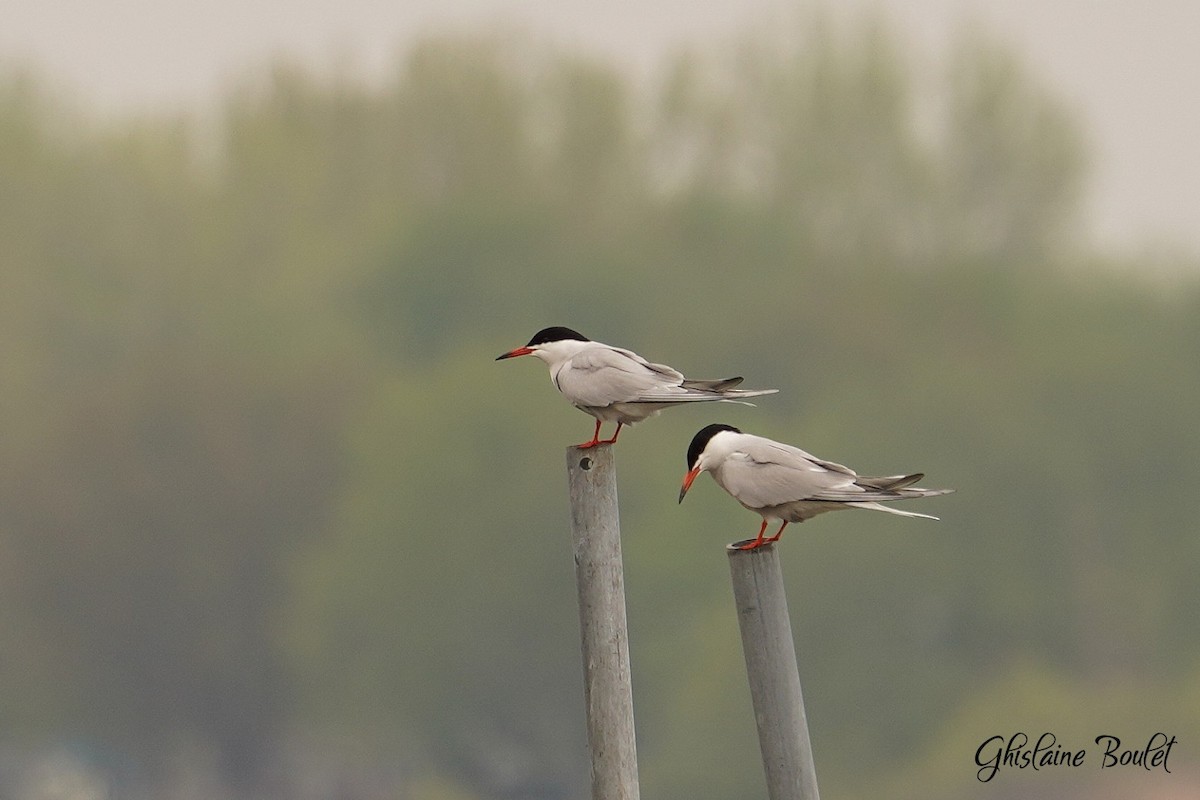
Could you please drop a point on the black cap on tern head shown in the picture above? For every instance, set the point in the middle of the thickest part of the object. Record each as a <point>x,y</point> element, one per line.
<point>556,333</point>
<point>701,439</point>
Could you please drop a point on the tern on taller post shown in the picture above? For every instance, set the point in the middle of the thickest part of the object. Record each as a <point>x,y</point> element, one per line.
<point>617,385</point>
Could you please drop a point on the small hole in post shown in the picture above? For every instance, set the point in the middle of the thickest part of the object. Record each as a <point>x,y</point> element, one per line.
<point>585,463</point>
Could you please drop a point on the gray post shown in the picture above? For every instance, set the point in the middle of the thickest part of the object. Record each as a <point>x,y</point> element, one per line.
<point>774,679</point>
<point>608,689</point>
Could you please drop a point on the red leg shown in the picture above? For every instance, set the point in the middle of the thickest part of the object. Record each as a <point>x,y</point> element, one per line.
<point>778,533</point>
<point>616,433</point>
<point>757,542</point>
<point>595,438</point>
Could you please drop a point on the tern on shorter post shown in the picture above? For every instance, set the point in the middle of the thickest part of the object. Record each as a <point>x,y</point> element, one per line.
<point>784,483</point>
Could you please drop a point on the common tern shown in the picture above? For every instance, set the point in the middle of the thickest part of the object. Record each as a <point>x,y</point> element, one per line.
<point>617,385</point>
<point>781,482</point>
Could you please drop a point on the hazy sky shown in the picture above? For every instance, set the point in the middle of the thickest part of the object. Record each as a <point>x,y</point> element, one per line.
<point>1132,69</point>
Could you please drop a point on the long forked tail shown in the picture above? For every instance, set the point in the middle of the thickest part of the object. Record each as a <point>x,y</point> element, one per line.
<point>724,387</point>
<point>694,395</point>
<point>881,507</point>
<point>896,488</point>
<point>737,394</point>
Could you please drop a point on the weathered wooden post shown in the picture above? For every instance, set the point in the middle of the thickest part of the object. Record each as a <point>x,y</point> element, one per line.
<point>774,678</point>
<point>599,573</point>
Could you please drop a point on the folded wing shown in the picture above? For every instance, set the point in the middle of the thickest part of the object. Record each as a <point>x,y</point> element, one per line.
<point>603,375</point>
<point>764,473</point>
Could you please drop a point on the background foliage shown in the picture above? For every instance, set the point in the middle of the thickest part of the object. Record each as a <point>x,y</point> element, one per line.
<point>272,521</point>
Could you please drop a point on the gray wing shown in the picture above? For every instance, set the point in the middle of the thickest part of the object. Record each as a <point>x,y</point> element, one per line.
<point>603,375</point>
<point>763,473</point>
